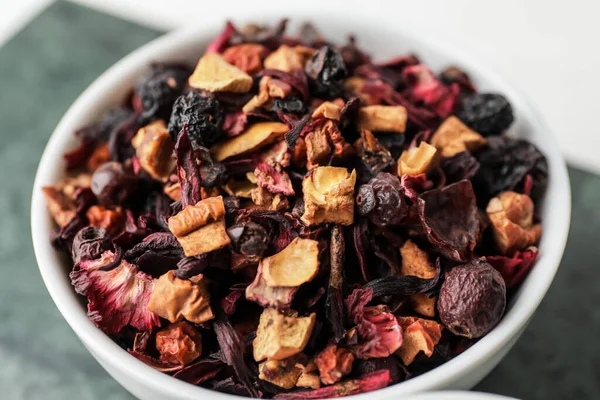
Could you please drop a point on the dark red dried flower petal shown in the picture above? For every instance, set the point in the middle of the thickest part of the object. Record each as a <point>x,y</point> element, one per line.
<point>425,88</point>
<point>235,123</point>
<point>116,298</point>
<point>449,218</point>
<point>220,42</point>
<point>229,302</point>
<point>514,269</point>
<point>200,371</point>
<point>233,350</point>
<point>187,171</point>
<point>275,180</point>
<point>296,79</point>
<point>413,185</point>
<point>366,383</point>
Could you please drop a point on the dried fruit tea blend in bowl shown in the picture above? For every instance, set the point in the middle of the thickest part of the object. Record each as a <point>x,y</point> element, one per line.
<point>290,219</point>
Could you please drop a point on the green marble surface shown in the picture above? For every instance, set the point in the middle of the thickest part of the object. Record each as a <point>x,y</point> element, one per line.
<point>46,66</point>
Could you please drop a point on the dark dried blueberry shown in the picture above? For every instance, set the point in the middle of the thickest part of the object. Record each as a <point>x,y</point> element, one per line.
<point>472,299</point>
<point>504,164</point>
<point>390,205</point>
<point>112,185</point>
<point>289,105</point>
<point>460,166</point>
<point>89,243</point>
<point>159,88</point>
<point>327,72</point>
<point>203,116</point>
<point>486,113</point>
<point>249,239</point>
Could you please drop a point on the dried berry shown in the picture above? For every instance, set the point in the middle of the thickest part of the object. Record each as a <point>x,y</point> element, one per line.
<point>486,113</point>
<point>472,299</point>
<point>158,89</point>
<point>504,165</point>
<point>292,105</point>
<point>113,185</point>
<point>89,243</point>
<point>211,173</point>
<point>249,239</point>
<point>382,200</point>
<point>202,115</point>
<point>327,72</point>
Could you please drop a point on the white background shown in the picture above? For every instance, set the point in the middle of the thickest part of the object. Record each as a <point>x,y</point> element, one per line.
<point>549,48</point>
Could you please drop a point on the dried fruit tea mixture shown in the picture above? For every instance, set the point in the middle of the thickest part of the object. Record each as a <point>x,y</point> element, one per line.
<point>289,219</point>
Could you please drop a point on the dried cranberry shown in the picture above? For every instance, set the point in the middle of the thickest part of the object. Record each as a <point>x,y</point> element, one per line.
<point>385,192</point>
<point>203,116</point>
<point>327,71</point>
<point>158,89</point>
<point>486,113</point>
<point>472,299</point>
<point>112,185</point>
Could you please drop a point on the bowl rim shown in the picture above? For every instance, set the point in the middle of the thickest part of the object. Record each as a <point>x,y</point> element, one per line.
<point>440,377</point>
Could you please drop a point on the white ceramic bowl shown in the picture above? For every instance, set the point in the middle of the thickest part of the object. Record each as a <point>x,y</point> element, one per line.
<point>385,38</point>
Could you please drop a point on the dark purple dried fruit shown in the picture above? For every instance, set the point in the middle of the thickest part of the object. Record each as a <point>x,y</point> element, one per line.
<point>385,192</point>
<point>486,113</point>
<point>112,185</point>
<point>460,166</point>
<point>505,163</point>
<point>292,105</point>
<point>89,243</point>
<point>211,173</point>
<point>202,115</point>
<point>327,72</point>
<point>472,299</point>
<point>159,88</point>
<point>249,239</point>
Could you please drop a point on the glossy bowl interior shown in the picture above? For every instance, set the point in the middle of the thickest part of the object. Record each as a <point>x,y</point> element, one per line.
<point>388,37</point>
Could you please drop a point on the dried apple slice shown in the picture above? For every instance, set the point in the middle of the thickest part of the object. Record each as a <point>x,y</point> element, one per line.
<point>298,263</point>
<point>214,74</point>
<point>382,118</point>
<point>255,137</point>
<point>279,337</point>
